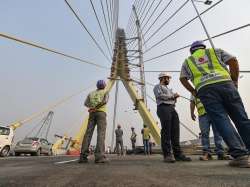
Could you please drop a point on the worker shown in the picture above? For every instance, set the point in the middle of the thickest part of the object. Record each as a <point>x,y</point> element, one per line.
<point>205,123</point>
<point>133,139</point>
<point>119,141</point>
<point>145,137</point>
<point>96,102</point>
<point>216,87</point>
<point>170,131</point>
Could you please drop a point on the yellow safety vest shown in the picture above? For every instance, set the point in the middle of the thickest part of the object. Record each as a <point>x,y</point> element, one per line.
<point>146,133</point>
<point>200,107</point>
<point>206,68</point>
<point>96,97</point>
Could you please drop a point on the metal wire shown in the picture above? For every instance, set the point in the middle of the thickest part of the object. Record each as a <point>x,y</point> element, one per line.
<point>151,15</point>
<point>151,5</point>
<point>108,47</point>
<point>51,50</point>
<point>86,29</point>
<point>187,46</point>
<point>109,22</point>
<point>157,18</point>
<point>164,23</point>
<point>143,11</point>
<point>106,24</point>
<point>181,27</point>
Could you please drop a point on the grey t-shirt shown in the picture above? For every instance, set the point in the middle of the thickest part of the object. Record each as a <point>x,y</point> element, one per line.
<point>119,134</point>
<point>222,55</point>
<point>163,94</point>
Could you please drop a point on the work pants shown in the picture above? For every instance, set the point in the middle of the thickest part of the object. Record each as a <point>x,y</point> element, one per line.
<point>170,129</point>
<point>119,147</point>
<point>221,101</point>
<point>95,119</point>
<point>205,123</point>
<point>146,146</point>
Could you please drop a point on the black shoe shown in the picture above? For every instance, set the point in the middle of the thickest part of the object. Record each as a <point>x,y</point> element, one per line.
<point>102,160</point>
<point>83,160</point>
<point>169,159</point>
<point>240,162</point>
<point>183,158</point>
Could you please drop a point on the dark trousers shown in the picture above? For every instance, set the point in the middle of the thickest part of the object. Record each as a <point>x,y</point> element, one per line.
<point>146,146</point>
<point>221,101</point>
<point>95,119</point>
<point>170,129</point>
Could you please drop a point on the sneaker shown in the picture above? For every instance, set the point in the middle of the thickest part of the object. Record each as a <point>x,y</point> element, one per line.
<point>206,157</point>
<point>223,157</point>
<point>169,159</point>
<point>102,160</point>
<point>183,158</point>
<point>83,160</point>
<point>241,162</point>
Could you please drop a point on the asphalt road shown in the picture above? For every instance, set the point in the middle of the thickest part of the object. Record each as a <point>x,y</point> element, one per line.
<point>121,171</point>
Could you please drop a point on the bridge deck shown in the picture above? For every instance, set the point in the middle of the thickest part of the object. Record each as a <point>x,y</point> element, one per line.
<point>124,171</point>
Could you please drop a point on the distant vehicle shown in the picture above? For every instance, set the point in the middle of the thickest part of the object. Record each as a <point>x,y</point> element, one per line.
<point>6,139</point>
<point>34,146</point>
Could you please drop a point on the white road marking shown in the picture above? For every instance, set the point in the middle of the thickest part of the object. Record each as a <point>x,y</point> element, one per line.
<point>67,161</point>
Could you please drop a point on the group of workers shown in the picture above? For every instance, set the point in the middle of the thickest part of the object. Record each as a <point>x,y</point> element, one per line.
<point>213,89</point>
<point>146,139</point>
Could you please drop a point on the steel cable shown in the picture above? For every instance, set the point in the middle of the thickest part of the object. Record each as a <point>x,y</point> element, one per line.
<point>86,29</point>
<point>108,47</point>
<point>181,27</point>
<point>51,50</point>
<point>187,46</point>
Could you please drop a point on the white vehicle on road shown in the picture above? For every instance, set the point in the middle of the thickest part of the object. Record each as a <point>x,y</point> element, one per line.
<point>6,140</point>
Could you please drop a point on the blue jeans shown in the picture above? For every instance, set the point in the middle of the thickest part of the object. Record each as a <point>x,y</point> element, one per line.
<point>205,124</point>
<point>221,101</point>
<point>146,146</point>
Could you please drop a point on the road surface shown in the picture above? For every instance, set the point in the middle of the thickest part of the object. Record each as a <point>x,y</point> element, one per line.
<point>125,171</point>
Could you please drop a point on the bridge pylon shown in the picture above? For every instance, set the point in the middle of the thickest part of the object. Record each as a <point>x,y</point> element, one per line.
<point>120,71</point>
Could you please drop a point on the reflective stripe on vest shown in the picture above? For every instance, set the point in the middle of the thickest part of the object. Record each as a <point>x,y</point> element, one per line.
<point>96,97</point>
<point>200,107</point>
<point>206,68</point>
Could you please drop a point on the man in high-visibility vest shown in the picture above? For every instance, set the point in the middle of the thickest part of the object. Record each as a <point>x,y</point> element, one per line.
<point>216,87</point>
<point>96,102</point>
<point>205,123</point>
<point>145,138</point>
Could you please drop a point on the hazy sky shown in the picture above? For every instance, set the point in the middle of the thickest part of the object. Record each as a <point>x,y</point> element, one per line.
<point>32,79</point>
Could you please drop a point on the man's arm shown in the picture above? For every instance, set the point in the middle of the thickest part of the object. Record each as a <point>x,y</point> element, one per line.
<point>231,61</point>
<point>234,70</point>
<point>192,107</point>
<point>87,102</point>
<point>188,86</point>
<point>159,94</point>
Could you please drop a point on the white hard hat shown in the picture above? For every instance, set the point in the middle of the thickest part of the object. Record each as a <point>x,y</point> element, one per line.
<point>163,74</point>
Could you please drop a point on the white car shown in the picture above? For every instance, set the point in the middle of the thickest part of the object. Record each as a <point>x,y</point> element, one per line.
<point>6,140</point>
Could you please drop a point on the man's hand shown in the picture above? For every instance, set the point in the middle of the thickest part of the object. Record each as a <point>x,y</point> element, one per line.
<point>193,116</point>
<point>194,92</point>
<point>176,95</point>
<point>91,110</point>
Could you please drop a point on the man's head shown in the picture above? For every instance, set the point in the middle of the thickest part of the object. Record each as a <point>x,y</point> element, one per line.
<point>164,78</point>
<point>118,126</point>
<point>145,126</point>
<point>132,128</point>
<point>100,84</point>
<point>197,45</point>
